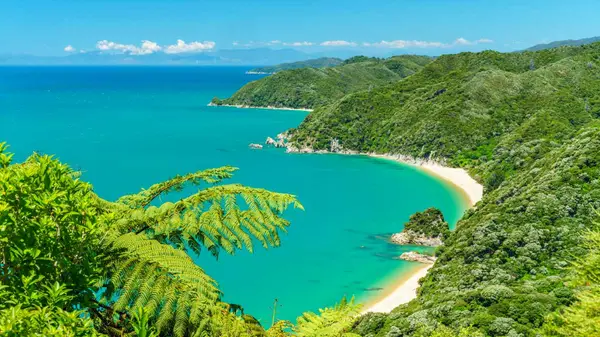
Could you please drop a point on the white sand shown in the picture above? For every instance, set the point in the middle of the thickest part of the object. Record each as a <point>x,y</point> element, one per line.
<point>455,176</point>
<point>404,292</point>
<point>258,107</point>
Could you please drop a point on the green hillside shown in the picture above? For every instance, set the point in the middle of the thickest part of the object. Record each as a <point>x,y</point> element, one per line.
<point>308,88</point>
<point>321,62</point>
<point>524,124</point>
<point>572,43</point>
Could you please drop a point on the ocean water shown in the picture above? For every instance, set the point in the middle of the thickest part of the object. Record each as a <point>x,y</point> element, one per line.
<point>128,127</point>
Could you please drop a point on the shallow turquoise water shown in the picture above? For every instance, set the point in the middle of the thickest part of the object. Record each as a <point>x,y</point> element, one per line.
<point>128,127</point>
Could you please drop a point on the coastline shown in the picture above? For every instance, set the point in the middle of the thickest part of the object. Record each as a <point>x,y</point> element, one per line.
<point>459,178</point>
<point>258,107</point>
<point>404,290</point>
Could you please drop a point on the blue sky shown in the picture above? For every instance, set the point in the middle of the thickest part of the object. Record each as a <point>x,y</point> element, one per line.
<point>45,27</point>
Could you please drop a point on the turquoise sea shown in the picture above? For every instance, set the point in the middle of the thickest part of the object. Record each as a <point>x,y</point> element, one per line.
<point>129,127</point>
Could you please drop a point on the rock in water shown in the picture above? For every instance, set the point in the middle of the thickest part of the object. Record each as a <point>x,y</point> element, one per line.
<point>413,238</point>
<point>417,257</point>
<point>255,146</point>
<point>270,141</point>
<point>427,228</point>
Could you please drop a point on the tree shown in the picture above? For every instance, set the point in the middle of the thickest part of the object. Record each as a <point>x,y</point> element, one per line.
<point>116,264</point>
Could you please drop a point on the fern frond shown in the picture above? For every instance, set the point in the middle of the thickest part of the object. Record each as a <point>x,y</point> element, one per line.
<point>330,321</point>
<point>161,279</point>
<point>213,218</point>
<point>145,197</point>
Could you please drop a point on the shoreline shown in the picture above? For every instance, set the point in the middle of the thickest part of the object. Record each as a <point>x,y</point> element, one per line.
<point>258,107</point>
<point>403,291</point>
<point>406,285</point>
<point>459,178</point>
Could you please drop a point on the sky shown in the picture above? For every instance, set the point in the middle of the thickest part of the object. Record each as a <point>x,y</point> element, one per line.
<point>60,27</point>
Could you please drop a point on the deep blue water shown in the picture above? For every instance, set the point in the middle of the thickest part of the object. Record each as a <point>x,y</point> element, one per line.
<point>129,127</point>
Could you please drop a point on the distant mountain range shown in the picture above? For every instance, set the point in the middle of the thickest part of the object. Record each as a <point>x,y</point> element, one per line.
<point>256,56</point>
<point>555,44</point>
<point>321,62</point>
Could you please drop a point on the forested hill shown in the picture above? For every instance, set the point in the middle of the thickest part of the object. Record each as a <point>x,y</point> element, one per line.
<point>321,62</point>
<point>526,125</point>
<point>308,88</point>
<point>561,43</point>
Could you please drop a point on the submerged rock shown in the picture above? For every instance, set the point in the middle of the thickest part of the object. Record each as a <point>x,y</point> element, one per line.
<point>417,257</point>
<point>255,146</point>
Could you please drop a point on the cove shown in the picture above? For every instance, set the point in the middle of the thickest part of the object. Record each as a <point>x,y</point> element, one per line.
<point>126,128</point>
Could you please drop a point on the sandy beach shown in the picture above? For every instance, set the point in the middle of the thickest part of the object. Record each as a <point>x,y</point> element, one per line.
<point>406,289</point>
<point>404,292</point>
<point>457,177</point>
<point>258,107</point>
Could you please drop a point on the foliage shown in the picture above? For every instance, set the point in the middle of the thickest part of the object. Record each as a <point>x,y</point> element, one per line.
<point>531,135</point>
<point>563,43</point>
<point>123,266</point>
<point>331,322</point>
<point>582,319</point>
<point>321,62</point>
<point>310,87</point>
<point>430,223</point>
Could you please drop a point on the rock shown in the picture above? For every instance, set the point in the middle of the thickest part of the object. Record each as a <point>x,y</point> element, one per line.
<point>280,142</point>
<point>270,141</point>
<point>335,146</point>
<point>255,146</point>
<point>417,257</point>
<point>412,238</point>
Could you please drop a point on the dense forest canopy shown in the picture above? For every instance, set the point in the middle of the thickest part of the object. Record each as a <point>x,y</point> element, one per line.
<point>307,88</point>
<point>525,125</point>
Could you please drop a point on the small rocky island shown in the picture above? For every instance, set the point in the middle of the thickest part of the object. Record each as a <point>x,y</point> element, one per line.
<point>427,228</point>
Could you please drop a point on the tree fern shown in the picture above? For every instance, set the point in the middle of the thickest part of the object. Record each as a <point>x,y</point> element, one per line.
<point>149,265</point>
<point>126,265</point>
<point>330,322</point>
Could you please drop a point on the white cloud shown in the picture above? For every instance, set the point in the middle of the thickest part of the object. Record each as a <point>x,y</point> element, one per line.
<point>106,45</point>
<point>182,47</point>
<point>69,49</point>
<point>462,42</point>
<point>275,42</point>
<point>338,43</point>
<point>150,47</point>
<point>298,44</point>
<point>235,43</point>
<point>400,44</point>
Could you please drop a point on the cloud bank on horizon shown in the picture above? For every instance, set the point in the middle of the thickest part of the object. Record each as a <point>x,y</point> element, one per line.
<point>148,47</point>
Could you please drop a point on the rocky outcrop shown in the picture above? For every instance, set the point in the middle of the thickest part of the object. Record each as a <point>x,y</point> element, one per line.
<point>413,238</point>
<point>255,146</point>
<point>417,257</point>
<point>282,140</point>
